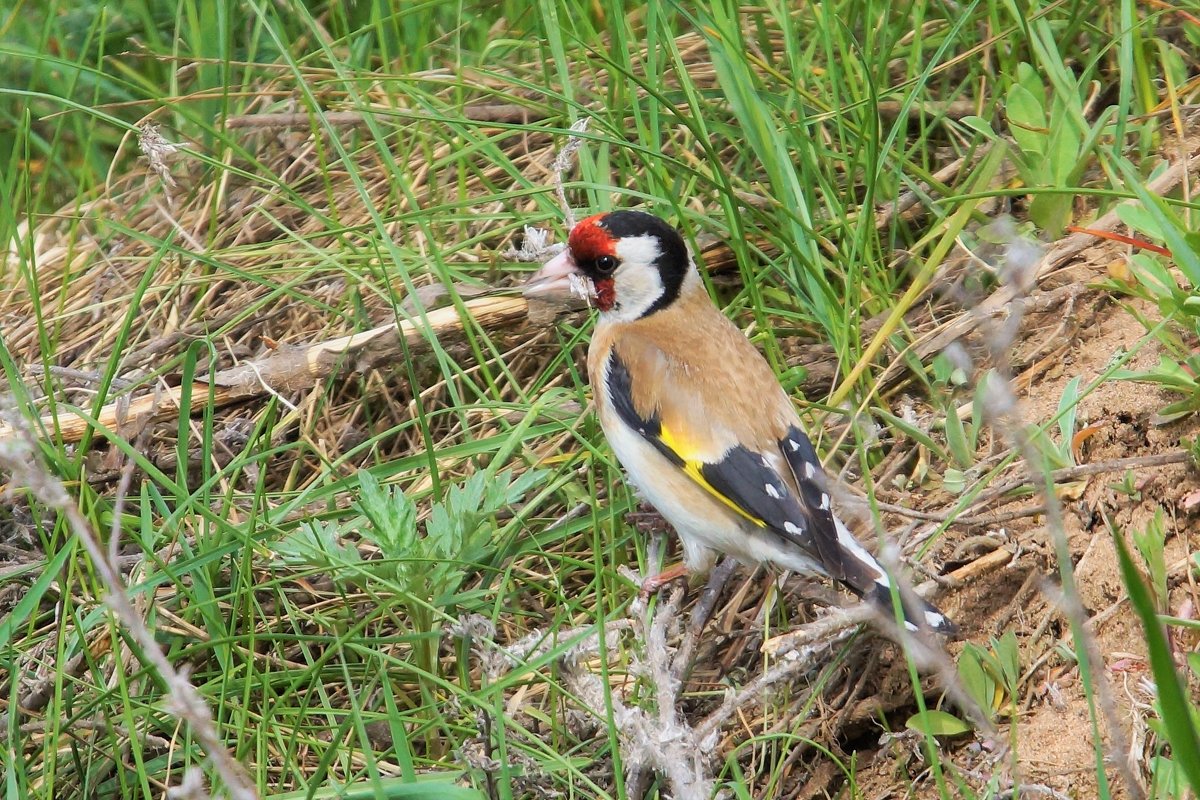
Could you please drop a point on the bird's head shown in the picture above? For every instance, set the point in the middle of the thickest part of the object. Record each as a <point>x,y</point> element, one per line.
<point>629,263</point>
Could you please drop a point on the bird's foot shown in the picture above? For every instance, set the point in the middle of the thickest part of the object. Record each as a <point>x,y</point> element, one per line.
<point>655,582</point>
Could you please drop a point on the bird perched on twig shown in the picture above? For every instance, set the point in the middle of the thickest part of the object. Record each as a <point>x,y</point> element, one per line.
<point>697,418</point>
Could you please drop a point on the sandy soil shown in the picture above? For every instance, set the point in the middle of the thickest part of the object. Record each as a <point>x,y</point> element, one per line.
<point>1051,737</point>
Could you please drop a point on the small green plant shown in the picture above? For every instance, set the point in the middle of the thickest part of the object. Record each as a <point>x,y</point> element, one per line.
<point>1150,543</point>
<point>1128,487</point>
<point>1060,453</point>
<point>1053,142</point>
<point>990,675</point>
<point>1177,300</point>
<point>420,570</point>
<point>962,434</point>
<point>1177,370</point>
<point>1177,724</point>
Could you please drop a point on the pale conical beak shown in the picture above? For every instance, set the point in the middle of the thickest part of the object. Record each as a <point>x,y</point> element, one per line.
<point>558,279</point>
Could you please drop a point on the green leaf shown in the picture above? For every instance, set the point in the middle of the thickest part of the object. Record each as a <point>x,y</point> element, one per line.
<point>1168,373</point>
<point>1008,655</point>
<point>1031,80</point>
<point>911,431</point>
<point>1154,275</point>
<point>954,480</point>
<point>1172,698</point>
<point>1068,406</point>
<point>937,723</point>
<point>975,679</point>
<point>315,544</point>
<point>1140,220</point>
<point>1027,120</point>
<point>528,479</point>
<point>1051,211</point>
<point>956,440</point>
<point>390,788</point>
<point>443,531</point>
<point>1179,240</point>
<point>392,517</point>
<point>1063,146</point>
<point>979,125</point>
<point>1169,778</point>
<point>1193,660</point>
<point>1150,543</point>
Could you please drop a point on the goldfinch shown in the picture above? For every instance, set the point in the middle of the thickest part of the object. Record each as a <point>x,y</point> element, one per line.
<point>697,418</point>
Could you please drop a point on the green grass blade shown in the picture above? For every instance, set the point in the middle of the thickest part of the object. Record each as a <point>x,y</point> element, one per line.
<point>1172,697</point>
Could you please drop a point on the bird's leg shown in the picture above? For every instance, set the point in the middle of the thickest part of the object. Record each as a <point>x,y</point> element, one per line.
<point>704,607</point>
<point>655,582</point>
<point>701,613</point>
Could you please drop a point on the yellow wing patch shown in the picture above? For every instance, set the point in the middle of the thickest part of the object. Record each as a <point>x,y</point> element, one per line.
<point>684,451</point>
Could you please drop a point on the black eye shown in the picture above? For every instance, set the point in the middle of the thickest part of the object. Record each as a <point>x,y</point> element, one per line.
<point>606,265</point>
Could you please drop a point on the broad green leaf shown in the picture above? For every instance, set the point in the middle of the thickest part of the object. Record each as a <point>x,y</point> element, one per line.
<point>1027,121</point>
<point>1051,211</point>
<point>975,679</point>
<point>1140,220</point>
<point>979,125</point>
<point>937,723</point>
<point>1008,656</point>
<point>954,480</point>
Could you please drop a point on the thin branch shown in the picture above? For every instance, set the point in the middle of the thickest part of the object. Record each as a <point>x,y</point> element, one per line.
<point>290,369</point>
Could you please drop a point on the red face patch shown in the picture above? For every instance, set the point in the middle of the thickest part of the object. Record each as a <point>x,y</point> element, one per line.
<point>589,241</point>
<point>606,294</point>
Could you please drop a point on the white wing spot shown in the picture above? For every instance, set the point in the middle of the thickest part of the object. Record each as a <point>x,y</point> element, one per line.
<point>810,471</point>
<point>793,529</point>
<point>795,445</point>
<point>766,462</point>
<point>847,540</point>
<point>772,492</point>
<point>824,502</point>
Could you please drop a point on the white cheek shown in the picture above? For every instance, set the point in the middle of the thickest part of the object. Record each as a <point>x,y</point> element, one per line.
<point>637,281</point>
<point>637,287</point>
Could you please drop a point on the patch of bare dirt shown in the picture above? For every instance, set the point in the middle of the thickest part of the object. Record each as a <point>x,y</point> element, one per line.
<point>1051,738</point>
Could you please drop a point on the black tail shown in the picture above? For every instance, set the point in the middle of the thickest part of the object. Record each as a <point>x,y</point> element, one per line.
<point>835,550</point>
<point>923,615</point>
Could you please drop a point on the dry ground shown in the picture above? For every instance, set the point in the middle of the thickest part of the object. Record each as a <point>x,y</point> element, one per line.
<point>1051,735</point>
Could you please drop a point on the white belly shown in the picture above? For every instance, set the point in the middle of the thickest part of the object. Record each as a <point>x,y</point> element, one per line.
<point>706,526</point>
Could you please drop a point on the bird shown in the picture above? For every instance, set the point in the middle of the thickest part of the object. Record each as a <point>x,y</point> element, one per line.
<point>697,418</point>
